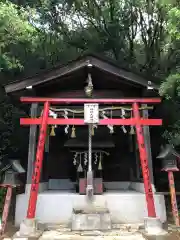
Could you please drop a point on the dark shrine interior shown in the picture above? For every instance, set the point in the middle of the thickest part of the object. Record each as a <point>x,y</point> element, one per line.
<point>115,167</point>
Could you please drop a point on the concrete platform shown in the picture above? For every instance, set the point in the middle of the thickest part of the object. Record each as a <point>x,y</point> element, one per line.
<point>124,206</point>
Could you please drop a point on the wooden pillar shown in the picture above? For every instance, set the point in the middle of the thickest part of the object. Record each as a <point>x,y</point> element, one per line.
<point>32,144</point>
<point>144,164</point>
<point>173,198</point>
<point>6,208</point>
<point>138,164</point>
<point>38,163</point>
<point>44,173</point>
<point>148,145</point>
<point>34,130</point>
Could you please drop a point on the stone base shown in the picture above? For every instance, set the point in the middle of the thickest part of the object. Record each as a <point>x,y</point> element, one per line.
<point>91,219</point>
<point>28,230</point>
<point>153,226</point>
<point>119,203</point>
<point>116,236</point>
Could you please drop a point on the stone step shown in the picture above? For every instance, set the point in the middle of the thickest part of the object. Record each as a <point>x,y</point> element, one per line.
<point>91,219</point>
<point>66,227</point>
<point>55,235</point>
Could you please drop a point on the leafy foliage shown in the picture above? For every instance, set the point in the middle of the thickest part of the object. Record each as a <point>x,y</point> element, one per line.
<point>130,32</point>
<point>26,47</point>
<point>141,35</point>
<point>173,22</point>
<point>170,88</point>
<point>15,30</point>
<point>15,33</point>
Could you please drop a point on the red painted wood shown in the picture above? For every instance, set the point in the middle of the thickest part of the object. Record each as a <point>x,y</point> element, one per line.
<point>76,121</point>
<point>86,100</point>
<point>144,164</point>
<point>82,185</point>
<point>173,198</point>
<point>98,185</point>
<point>38,163</point>
<point>6,208</point>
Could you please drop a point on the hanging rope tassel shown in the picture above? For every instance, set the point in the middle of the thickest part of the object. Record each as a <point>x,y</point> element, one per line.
<point>80,169</point>
<point>92,131</point>
<point>111,130</point>
<point>123,117</point>
<point>52,133</point>
<point>85,158</point>
<point>132,131</point>
<point>100,165</point>
<point>111,127</point>
<point>73,133</point>
<point>53,115</point>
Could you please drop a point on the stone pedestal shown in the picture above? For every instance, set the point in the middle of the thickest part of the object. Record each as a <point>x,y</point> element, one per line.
<point>28,230</point>
<point>89,219</point>
<point>153,226</point>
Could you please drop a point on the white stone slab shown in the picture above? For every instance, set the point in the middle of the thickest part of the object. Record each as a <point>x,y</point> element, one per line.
<point>56,207</point>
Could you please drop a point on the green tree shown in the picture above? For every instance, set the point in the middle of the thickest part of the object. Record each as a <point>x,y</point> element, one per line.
<point>142,35</point>
<point>170,88</point>
<point>26,46</point>
<point>15,30</point>
<point>131,32</point>
<point>15,33</point>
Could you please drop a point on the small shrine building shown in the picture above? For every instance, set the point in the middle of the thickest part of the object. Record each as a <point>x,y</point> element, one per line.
<point>116,145</point>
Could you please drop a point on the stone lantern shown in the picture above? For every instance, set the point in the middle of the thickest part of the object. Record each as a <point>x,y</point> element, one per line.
<point>9,171</point>
<point>169,157</point>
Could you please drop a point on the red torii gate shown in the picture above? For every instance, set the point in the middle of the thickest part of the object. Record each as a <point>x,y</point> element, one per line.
<point>45,120</point>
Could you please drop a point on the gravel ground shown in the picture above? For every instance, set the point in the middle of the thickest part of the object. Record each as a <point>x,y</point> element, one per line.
<point>10,231</point>
<point>171,236</point>
<point>124,233</point>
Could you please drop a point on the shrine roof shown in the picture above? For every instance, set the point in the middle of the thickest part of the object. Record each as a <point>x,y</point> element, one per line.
<point>103,64</point>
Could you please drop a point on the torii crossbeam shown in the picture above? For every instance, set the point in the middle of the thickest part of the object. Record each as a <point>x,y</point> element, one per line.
<point>45,120</point>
